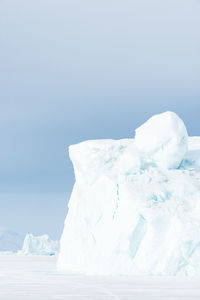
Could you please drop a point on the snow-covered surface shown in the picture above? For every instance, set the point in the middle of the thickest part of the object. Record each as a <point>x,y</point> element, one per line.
<point>39,245</point>
<point>35,278</point>
<point>135,205</point>
<point>10,240</point>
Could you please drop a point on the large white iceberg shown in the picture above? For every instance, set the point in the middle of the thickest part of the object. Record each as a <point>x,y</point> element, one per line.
<point>39,245</point>
<point>135,205</point>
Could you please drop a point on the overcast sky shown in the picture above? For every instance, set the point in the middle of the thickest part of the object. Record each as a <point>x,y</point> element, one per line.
<point>84,69</point>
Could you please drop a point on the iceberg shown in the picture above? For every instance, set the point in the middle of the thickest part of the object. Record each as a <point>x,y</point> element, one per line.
<point>135,204</point>
<point>39,245</point>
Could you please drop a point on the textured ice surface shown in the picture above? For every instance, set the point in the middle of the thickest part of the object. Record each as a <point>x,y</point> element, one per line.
<point>135,208</point>
<point>40,245</point>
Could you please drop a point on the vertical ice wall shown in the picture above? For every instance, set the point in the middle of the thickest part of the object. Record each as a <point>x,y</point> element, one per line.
<point>135,204</point>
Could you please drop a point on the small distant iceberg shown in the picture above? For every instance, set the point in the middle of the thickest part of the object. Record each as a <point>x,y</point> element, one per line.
<point>39,245</point>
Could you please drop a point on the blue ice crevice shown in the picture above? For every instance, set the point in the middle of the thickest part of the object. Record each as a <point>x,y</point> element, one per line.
<point>117,202</point>
<point>137,235</point>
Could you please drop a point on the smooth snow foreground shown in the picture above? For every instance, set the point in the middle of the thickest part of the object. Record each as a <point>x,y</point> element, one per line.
<point>135,206</point>
<point>35,278</point>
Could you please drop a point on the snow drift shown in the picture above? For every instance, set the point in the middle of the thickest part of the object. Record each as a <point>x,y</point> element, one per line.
<point>39,245</point>
<point>135,205</point>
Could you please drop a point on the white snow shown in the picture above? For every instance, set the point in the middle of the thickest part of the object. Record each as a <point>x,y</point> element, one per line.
<point>35,278</point>
<point>39,245</point>
<point>135,205</point>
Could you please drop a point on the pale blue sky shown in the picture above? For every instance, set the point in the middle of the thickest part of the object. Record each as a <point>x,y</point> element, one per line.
<point>76,70</point>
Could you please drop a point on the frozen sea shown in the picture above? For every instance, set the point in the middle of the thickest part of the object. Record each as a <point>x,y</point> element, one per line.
<point>36,278</point>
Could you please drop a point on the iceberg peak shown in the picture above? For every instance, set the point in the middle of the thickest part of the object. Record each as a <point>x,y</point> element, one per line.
<point>164,139</point>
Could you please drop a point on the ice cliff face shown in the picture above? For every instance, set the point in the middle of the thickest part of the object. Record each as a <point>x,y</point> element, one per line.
<point>135,206</point>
